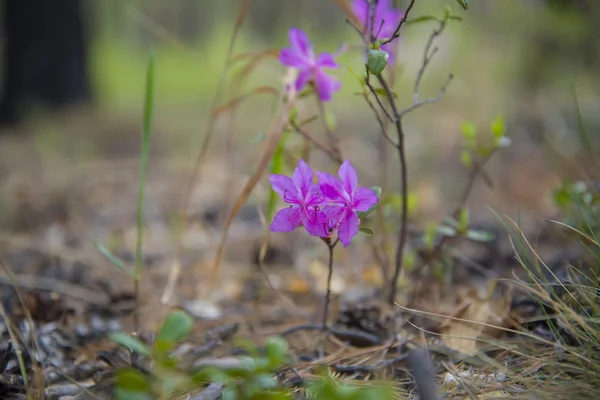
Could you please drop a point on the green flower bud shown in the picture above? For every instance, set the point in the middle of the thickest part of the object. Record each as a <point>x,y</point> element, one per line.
<point>377,60</point>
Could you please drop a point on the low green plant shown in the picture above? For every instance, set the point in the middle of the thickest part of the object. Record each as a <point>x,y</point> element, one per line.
<point>254,376</point>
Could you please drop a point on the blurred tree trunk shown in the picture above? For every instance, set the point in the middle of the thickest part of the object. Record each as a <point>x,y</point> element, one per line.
<point>44,56</point>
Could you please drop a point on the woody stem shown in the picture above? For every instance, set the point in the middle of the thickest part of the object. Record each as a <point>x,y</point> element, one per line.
<point>331,246</point>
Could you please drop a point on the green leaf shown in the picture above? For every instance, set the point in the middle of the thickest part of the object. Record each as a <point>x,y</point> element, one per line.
<point>146,131</point>
<point>498,127</point>
<point>464,4</point>
<point>464,219</point>
<point>469,131</point>
<point>377,191</point>
<point>466,159</point>
<point>365,214</point>
<point>366,231</point>
<point>175,327</point>
<point>445,230</point>
<point>276,350</point>
<point>382,92</point>
<point>114,259</point>
<point>480,236</point>
<point>123,394</point>
<point>308,120</point>
<point>429,236</point>
<point>129,342</point>
<point>132,380</point>
<point>422,18</point>
<point>451,221</point>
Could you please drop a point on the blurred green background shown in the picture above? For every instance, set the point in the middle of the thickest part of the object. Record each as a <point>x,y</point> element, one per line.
<point>521,59</point>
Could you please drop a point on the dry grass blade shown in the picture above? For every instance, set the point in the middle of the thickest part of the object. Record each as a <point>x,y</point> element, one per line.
<point>347,9</point>
<point>175,268</point>
<point>273,136</point>
<point>238,100</point>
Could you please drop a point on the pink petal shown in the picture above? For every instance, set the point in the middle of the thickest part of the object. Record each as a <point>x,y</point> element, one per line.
<point>291,58</point>
<point>300,43</point>
<point>359,8</point>
<point>347,174</point>
<point>286,220</point>
<point>315,223</point>
<point>303,77</point>
<point>303,177</point>
<point>332,188</point>
<point>364,198</point>
<point>325,60</point>
<point>333,214</point>
<point>348,228</point>
<point>284,186</point>
<point>326,85</point>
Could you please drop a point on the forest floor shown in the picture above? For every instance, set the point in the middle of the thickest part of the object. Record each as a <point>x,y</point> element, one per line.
<point>57,217</point>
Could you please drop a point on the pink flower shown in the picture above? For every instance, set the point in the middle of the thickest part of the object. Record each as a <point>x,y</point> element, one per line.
<point>300,55</point>
<point>384,11</point>
<point>345,198</point>
<point>304,198</point>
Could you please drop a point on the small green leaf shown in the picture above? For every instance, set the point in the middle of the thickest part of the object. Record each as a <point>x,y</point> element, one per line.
<point>451,221</point>
<point>422,18</point>
<point>480,236</point>
<point>382,92</point>
<point>129,342</point>
<point>175,327</point>
<point>429,236</point>
<point>464,4</point>
<point>114,259</point>
<point>498,127</point>
<point>445,230</point>
<point>123,394</point>
<point>132,380</point>
<point>366,231</point>
<point>447,13</point>
<point>469,131</point>
<point>276,349</point>
<point>377,191</point>
<point>259,137</point>
<point>365,214</point>
<point>377,60</point>
<point>308,120</point>
<point>466,159</point>
<point>464,219</point>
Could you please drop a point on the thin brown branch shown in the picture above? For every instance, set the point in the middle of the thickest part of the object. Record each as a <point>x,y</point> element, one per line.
<point>430,100</point>
<point>402,22</point>
<point>380,121</point>
<point>331,246</point>
<point>330,137</point>
<point>327,150</point>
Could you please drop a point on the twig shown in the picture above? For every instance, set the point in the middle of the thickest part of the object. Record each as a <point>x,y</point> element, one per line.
<point>403,188</point>
<point>379,102</point>
<point>330,137</point>
<point>327,150</point>
<point>354,336</point>
<point>402,22</point>
<point>380,121</point>
<point>430,100</point>
<point>331,246</point>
